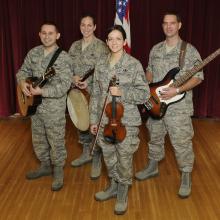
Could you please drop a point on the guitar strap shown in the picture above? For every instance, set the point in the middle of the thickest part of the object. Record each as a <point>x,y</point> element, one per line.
<point>54,57</point>
<point>182,54</point>
<point>52,61</point>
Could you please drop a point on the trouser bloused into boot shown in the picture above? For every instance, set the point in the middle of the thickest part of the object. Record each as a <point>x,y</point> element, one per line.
<point>85,138</point>
<point>149,171</point>
<point>122,199</point>
<point>185,187</point>
<point>109,193</point>
<point>58,176</point>
<point>84,158</point>
<point>96,164</point>
<point>44,170</point>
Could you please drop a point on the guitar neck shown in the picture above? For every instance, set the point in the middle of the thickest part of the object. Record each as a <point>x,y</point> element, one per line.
<point>39,82</point>
<point>182,79</point>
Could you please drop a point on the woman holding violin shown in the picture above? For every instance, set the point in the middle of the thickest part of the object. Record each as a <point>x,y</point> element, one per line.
<point>119,84</point>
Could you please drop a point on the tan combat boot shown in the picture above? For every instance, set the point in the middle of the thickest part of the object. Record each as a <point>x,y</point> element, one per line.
<point>122,199</point>
<point>185,186</point>
<point>96,165</point>
<point>108,193</point>
<point>44,170</point>
<point>84,158</point>
<point>151,170</point>
<point>58,176</point>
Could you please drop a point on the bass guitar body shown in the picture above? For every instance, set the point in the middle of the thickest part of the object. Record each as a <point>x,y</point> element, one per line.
<point>155,106</point>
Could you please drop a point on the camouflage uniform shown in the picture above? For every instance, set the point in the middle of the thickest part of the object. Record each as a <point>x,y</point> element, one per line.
<point>177,121</point>
<point>83,61</point>
<point>48,123</point>
<point>135,90</point>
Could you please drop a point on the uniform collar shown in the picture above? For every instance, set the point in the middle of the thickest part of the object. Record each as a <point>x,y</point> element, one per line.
<point>176,48</point>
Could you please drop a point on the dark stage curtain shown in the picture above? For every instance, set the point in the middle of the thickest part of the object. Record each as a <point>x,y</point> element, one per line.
<point>20,21</point>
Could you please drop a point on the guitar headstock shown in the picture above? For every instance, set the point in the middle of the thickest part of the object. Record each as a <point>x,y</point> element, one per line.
<point>50,72</point>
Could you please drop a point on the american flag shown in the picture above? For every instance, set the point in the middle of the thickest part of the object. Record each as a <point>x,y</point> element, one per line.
<point>122,18</point>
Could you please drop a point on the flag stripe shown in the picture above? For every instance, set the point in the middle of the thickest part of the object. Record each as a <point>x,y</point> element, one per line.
<point>122,18</point>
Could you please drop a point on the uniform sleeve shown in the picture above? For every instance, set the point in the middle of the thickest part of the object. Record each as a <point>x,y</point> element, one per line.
<point>70,52</point>
<point>25,70</point>
<point>139,92</point>
<point>93,103</point>
<point>105,50</point>
<point>60,83</point>
<point>149,67</point>
<point>101,51</point>
<point>193,58</point>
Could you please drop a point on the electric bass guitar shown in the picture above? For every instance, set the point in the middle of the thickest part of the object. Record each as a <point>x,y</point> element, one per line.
<point>28,104</point>
<point>155,106</point>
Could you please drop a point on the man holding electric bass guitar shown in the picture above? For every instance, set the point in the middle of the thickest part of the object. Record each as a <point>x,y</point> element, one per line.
<point>173,118</point>
<point>51,67</point>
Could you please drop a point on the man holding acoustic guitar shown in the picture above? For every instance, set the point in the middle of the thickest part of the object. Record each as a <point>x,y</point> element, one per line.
<point>48,122</point>
<point>165,56</point>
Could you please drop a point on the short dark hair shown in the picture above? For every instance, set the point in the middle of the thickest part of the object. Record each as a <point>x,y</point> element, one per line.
<point>178,17</point>
<point>90,16</point>
<point>118,28</point>
<point>50,23</point>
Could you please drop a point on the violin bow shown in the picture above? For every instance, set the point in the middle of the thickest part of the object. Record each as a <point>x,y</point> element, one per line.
<point>99,124</point>
<point>100,120</point>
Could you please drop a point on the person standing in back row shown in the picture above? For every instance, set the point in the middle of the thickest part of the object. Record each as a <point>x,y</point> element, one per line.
<point>177,120</point>
<point>85,53</point>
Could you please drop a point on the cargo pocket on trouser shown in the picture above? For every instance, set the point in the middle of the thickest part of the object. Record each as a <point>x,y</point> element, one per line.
<point>125,151</point>
<point>157,132</point>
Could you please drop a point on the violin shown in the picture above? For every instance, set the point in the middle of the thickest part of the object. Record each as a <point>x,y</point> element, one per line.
<point>114,131</point>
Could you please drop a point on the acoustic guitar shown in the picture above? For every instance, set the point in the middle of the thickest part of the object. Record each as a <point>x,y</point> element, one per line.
<point>155,106</point>
<point>28,104</point>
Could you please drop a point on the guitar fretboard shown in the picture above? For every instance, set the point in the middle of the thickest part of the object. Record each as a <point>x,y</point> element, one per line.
<point>43,79</point>
<point>178,82</point>
<point>38,82</point>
